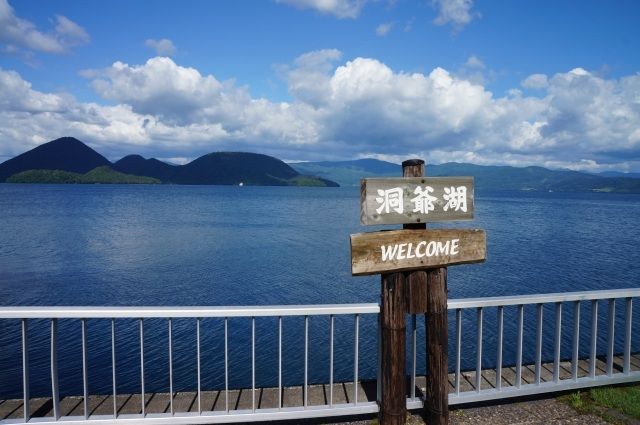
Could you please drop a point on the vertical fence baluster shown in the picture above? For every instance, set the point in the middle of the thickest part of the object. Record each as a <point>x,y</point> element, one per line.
<point>55,395</point>
<point>306,359</point>
<point>226,364</point>
<point>611,335</point>
<point>331,361</point>
<point>627,336</point>
<point>519,346</point>
<point>253,364</point>
<point>479,351</point>
<point>576,340</point>
<point>171,366</point>
<point>414,356</point>
<point>458,348</point>
<point>355,361</point>
<point>25,371</point>
<point>142,394</point>
<point>280,362</point>
<point>198,365</point>
<point>113,368</point>
<point>499,348</point>
<point>85,371</point>
<point>539,311</point>
<point>575,356</point>
<point>558,335</point>
<point>594,338</point>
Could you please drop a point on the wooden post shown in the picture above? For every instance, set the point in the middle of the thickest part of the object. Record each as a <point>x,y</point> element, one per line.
<point>393,410</point>
<point>436,323</point>
<point>415,292</point>
<point>394,293</point>
<point>416,282</point>
<point>426,291</point>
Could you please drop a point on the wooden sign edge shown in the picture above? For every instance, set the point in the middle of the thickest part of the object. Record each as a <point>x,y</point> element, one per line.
<point>414,268</point>
<point>364,212</point>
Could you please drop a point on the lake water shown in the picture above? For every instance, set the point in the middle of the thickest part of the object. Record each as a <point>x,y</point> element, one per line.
<point>216,245</point>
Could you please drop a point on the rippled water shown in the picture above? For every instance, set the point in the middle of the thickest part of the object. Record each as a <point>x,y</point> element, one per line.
<point>213,245</point>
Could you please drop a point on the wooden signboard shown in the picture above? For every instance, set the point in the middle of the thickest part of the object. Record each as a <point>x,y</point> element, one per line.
<point>401,250</point>
<point>415,200</point>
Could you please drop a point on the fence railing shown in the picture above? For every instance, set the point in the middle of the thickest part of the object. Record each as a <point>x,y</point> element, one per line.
<point>580,373</point>
<point>227,414</point>
<point>486,382</point>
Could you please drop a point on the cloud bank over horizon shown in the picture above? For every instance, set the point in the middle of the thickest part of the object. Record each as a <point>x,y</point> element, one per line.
<point>339,109</point>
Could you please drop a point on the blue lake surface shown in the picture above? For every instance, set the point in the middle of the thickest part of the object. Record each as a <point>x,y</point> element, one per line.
<point>220,245</point>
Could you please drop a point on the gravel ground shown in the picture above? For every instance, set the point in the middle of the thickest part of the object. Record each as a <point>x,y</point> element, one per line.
<point>547,412</point>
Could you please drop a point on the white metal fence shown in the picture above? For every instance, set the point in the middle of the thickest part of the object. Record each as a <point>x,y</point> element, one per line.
<point>467,386</point>
<point>576,377</point>
<point>228,414</point>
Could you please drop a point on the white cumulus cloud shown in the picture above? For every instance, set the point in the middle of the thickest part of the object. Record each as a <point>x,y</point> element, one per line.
<point>455,12</point>
<point>159,87</point>
<point>69,33</point>
<point>17,33</point>
<point>338,8</point>
<point>162,47</point>
<point>308,79</point>
<point>535,81</point>
<point>338,109</point>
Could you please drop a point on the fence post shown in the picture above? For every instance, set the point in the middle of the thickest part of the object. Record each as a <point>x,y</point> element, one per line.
<point>401,293</point>
<point>437,397</point>
<point>427,293</point>
<point>416,281</point>
<point>393,409</point>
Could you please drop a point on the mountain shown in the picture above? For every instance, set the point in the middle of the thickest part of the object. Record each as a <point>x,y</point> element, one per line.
<point>66,154</point>
<point>619,174</point>
<point>535,178</point>
<point>68,160</point>
<point>233,168</point>
<point>349,173</point>
<point>137,165</point>
<point>226,168</point>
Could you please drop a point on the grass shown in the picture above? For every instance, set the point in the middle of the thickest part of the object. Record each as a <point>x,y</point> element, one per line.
<point>624,399</point>
<point>617,405</point>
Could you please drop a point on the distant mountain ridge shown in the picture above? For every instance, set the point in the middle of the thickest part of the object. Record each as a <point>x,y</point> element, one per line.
<point>487,177</point>
<point>619,174</point>
<point>69,155</point>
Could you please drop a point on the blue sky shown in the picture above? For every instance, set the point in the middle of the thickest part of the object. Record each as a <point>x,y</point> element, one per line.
<point>551,83</point>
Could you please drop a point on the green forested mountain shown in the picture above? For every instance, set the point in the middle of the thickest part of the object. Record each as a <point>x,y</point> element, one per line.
<point>66,154</point>
<point>135,164</point>
<point>68,160</point>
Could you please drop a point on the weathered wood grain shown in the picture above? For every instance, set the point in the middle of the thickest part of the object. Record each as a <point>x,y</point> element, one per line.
<point>436,404</point>
<point>393,408</point>
<point>376,210</point>
<point>416,281</point>
<point>411,248</point>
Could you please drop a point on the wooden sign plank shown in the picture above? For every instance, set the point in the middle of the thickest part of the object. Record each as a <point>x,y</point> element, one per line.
<point>400,250</point>
<point>415,200</point>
